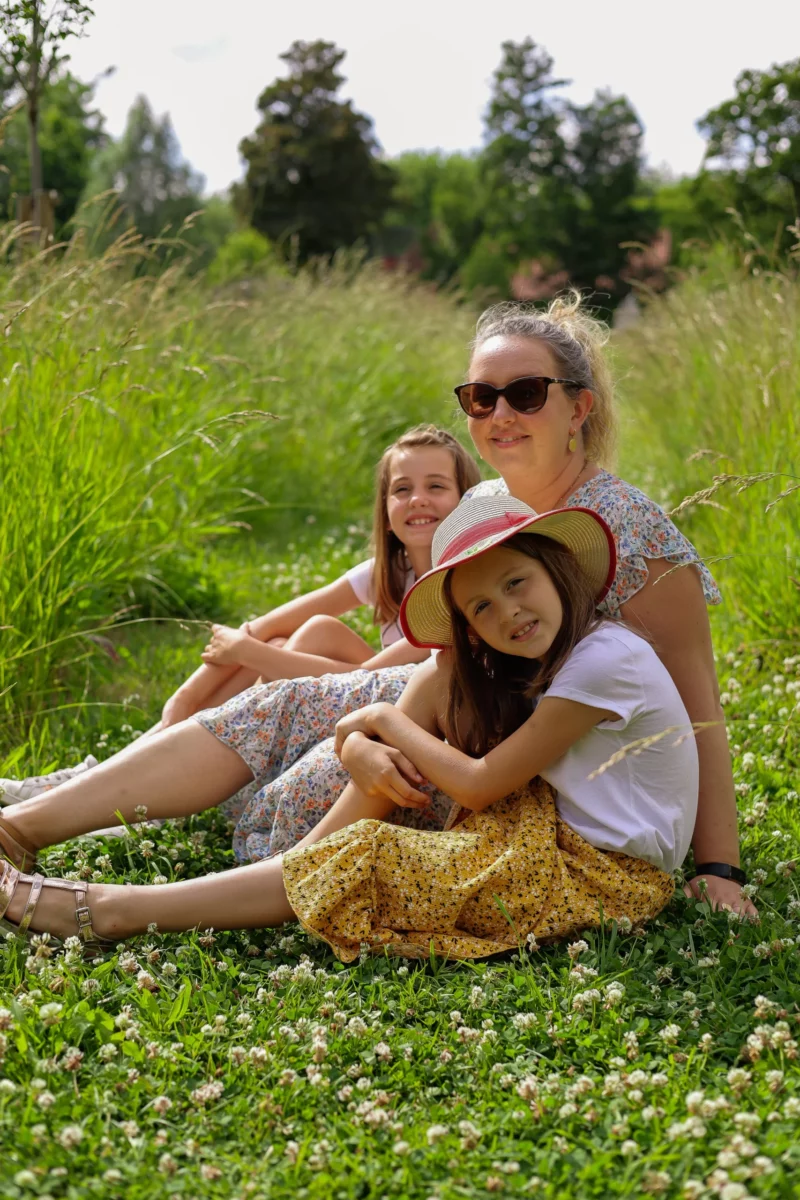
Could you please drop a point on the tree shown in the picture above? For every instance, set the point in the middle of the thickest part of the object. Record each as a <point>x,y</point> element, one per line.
<point>755,137</point>
<point>437,211</point>
<point>563,181</point>
<point>157,188</point>
<point>33,34</point>
<point>603,206</point>
<point>70,134</point>
<point>313,175</point>
<point>523,122</point>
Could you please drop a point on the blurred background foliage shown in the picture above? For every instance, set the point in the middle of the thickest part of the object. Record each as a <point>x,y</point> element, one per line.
<point>558,193</point>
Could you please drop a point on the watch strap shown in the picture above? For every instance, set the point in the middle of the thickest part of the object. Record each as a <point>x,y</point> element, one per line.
<point>723,870</point>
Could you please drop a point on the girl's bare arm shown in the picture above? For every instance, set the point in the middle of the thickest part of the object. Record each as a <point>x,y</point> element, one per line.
<point>478,782</point>
<point>333,600</point>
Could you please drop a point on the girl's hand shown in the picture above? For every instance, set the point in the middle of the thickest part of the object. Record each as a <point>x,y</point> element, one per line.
<point>380,770</point>
<point>226,645</point>
<point>363,720</point>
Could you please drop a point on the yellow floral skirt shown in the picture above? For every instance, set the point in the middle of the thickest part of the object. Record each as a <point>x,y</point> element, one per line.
<point>469,891</point>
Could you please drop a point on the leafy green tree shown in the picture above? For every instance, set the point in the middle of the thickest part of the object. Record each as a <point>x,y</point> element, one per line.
<point>156,188</point>
<point>523,125</point>
<point>313,179</point>
<point>754,139</point>
<point>70,134</point>
<point>33,33</point>
<point>602,206</point>
<point>437,211</point>
<point>563,181</point>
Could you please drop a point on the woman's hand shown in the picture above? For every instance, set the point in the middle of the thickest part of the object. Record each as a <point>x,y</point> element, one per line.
<point>226,645</point>
<point>721,893</point>
<point>365,720</point>
<point>379,770</point>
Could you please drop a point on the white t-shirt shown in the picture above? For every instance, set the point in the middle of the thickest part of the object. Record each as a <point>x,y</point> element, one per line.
<point>644,805</point>
<point>360,580</point>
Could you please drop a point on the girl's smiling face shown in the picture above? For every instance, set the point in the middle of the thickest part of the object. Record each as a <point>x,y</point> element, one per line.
<point>510,601</point>
<point>422,491</point>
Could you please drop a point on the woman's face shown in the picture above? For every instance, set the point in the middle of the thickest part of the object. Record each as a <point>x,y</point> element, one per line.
<point>514,444</point>
<point>510,601</point>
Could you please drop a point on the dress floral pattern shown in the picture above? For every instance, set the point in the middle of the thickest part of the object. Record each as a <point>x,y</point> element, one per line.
<point>513,870</point>
<point>283,732</point>
<point>641,530</point>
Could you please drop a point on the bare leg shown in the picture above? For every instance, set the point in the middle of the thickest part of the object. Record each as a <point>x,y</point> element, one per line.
<point>182,770</point>
<point>353,805</point>
<point>330,638</point>
<point>244,898</point>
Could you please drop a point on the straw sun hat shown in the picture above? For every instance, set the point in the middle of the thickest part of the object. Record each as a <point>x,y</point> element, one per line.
<point>480,524</point>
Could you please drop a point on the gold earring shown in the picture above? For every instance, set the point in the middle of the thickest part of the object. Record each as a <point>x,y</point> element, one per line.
<point>572,445</point>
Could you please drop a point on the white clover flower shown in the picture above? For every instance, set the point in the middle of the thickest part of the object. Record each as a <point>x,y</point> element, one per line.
<point>576,949</point>
<point>70,1136</point>
<point>585,1000</point>
<point>50,1014</point>
<point>670,1034</point>
<point>435,1133</point>
<point>383,1052</point>
<point>401,1148</point>
<point>738,1079</point>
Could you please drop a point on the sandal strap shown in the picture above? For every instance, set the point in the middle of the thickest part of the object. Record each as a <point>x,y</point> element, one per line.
<point>33,899</point>
<point>83,916</point>
<point>9,878</point>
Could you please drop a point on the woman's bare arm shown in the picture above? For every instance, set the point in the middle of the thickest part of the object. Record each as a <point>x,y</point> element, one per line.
<point>671,609</point>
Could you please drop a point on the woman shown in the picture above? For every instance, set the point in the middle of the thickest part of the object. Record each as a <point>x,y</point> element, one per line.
<point>548,436</point>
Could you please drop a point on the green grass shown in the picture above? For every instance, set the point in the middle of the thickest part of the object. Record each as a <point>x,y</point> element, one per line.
<point>184,1066</point>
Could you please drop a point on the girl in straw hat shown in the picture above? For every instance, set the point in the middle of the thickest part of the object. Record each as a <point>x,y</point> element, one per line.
<point>554,824</point>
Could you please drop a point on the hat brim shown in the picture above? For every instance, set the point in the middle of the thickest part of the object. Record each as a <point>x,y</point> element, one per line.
<point>425,614</point>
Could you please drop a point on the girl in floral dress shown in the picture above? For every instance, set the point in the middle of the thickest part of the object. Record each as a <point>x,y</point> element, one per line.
<point>554,826</point>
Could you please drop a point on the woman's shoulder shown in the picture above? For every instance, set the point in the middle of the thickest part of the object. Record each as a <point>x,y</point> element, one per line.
<point>487,487</point>
<point>642,530</point>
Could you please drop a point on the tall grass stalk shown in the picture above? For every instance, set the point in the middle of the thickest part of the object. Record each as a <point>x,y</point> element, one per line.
<point>135,421</point>
<point>711,388</point>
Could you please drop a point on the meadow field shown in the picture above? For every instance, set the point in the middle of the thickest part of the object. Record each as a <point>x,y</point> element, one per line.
<point>172,452</point>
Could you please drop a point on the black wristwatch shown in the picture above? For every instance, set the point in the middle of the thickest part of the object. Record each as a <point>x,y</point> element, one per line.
<point>723,870</point>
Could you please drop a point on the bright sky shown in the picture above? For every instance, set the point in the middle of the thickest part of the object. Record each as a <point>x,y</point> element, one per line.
<point>422,68</point>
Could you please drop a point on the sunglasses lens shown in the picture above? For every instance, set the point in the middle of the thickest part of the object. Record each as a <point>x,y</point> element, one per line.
<point>527,395</point>
<point>477,399</point>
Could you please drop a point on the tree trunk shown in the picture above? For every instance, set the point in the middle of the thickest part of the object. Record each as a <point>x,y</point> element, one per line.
<point>34,82</point>
<point>34,152</point>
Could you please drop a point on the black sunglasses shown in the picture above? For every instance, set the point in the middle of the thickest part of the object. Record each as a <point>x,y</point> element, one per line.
<point>526,395</point>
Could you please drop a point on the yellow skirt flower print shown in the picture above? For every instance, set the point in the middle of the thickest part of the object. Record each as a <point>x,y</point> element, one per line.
<point>411,890</point>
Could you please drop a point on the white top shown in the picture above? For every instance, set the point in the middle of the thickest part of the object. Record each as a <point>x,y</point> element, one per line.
<point>644,805</point>
<point>360,580</point>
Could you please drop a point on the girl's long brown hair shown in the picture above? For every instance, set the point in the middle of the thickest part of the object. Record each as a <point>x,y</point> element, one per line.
<point>389,573</point>
<point>491,694</point>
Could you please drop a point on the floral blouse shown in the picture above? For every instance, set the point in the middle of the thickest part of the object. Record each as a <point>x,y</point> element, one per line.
<point>641,530</point>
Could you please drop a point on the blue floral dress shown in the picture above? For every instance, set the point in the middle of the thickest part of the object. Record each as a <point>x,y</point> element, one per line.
<point>284,731</point>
